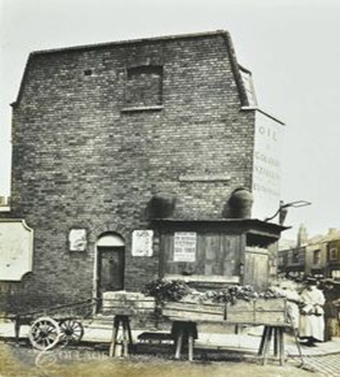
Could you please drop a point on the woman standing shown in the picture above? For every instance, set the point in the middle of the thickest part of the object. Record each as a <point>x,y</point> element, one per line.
<point>312,323</point>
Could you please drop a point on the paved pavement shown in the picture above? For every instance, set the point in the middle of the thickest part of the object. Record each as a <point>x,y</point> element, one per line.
<point>324,358</point>
<point>327,365</point>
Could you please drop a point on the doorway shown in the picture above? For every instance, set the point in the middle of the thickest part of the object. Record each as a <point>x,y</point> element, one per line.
<point>110,264</point>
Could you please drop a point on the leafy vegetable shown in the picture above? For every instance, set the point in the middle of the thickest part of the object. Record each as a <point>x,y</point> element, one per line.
<point>176,290</point>
<point>166,290</point>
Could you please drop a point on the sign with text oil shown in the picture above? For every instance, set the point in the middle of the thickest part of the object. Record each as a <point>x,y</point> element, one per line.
<point>267,166</point>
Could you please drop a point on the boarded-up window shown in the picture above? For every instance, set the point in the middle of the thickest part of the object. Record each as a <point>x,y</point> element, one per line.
<point>144,86</point>
<point>205,254</point>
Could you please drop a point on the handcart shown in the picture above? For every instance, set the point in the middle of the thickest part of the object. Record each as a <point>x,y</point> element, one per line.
<point>54,325</point>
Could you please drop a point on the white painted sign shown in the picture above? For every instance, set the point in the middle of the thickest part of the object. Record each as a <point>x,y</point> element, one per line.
<point>142,243</point>
<point>267,166</point>
<point>16,249</point>
<point>185,247</point>
<point>77,239</point>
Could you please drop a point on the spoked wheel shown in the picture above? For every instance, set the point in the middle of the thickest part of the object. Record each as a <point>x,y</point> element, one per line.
<point>72,331</point>
<point>44,333</point>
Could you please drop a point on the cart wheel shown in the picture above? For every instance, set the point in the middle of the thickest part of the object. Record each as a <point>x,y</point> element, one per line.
<point>44,333</point>
<point>72,331</point>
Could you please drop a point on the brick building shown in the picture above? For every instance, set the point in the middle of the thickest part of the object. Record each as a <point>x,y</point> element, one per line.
<point>318,256</point>
<point>126,158</point>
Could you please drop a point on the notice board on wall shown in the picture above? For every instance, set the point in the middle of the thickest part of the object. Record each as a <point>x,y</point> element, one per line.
<point>185,246</point>
<point>16,249</point>
<point>142,243</point>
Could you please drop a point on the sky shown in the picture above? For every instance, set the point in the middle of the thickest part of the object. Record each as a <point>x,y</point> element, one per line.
<point>291,46</point>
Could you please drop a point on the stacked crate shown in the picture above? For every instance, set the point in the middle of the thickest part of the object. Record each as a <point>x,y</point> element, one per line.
<point>256,312</point>
<point>127,303</point>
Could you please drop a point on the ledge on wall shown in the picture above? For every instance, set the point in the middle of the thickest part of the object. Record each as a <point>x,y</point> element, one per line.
<point>204,278</point>
<point>141,108</point>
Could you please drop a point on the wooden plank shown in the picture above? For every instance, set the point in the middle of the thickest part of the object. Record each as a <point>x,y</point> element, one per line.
<point>195,307</point>
<point>231,244</point>
<point>127,303</point>
<point>261,311</point>
<point>175,315</point>
<point>240,312</point>
<point>200,262</point>
<point>263,341</point>
<point>222,255</point>
<point>193,311</point>
<point>271,311</point>
<point>275,304</point>
<point>179,342</point>
<point>167,245</point>
<point>191,347</point>
<point>211,254</point>
<point>270,318</point>
<point>267,345</point>
<point>256,269</point>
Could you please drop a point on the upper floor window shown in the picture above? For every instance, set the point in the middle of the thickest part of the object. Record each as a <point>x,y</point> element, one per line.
<point>295,256</point>
<point>317,257</point>
<point>144,86</point>
<point>280,260</point>
<point>333,253</point>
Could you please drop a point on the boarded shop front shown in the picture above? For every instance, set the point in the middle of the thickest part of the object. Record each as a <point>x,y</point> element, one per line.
<point>217,253</point>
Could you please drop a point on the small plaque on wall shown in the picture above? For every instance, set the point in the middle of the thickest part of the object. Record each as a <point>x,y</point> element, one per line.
<point>185,247</point>
<point>77,240</point>
<point>142,243</point>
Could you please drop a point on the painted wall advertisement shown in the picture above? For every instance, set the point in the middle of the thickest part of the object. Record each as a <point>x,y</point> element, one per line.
<point>185,247</point>
<point>267,166</point>
<point>16,249</point>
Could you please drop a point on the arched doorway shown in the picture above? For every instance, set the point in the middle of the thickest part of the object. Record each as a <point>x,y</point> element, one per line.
<point>110,251</point>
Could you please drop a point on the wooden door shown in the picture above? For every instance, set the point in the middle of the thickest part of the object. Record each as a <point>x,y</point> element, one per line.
<point>256,268</point>
<point>110,269</point>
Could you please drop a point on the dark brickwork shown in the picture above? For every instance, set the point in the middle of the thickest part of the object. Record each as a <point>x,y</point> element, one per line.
<point>83,158</point>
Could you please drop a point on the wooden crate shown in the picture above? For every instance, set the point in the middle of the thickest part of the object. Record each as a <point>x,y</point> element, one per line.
<point>255,312</point>
<point>240,312</point>
<point>261,311</point>
<point>127,303</point>
<point>193,311</point>
<point>271,311</point>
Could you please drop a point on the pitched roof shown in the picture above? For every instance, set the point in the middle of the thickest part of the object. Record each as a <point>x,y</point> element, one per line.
<point>242,75</point>
<point>331,236</point>
<point>132,41</point>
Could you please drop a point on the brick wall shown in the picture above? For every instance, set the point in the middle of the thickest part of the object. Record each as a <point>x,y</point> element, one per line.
<point>82,157</point>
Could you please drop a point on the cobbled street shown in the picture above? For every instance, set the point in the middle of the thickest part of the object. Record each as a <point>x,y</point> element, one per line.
<point>328,365</point>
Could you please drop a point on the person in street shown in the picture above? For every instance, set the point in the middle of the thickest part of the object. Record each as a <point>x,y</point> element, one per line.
<point>331,311</point>
<point>287,289</point>
<point>312,323</point>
